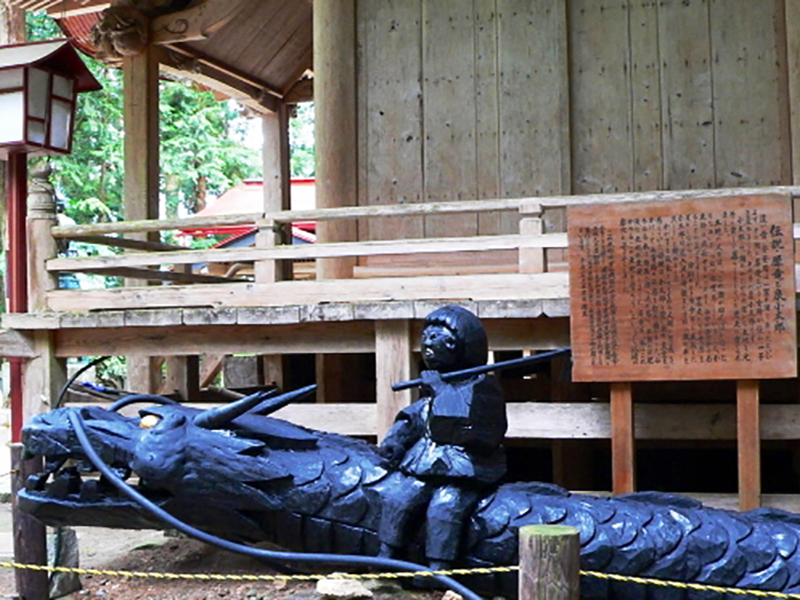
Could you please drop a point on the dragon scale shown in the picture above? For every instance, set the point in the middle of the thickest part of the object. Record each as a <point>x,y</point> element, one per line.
<point>262,479</point>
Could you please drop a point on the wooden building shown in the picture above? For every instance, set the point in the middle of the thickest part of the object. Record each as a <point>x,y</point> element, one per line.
<point>451,136</point>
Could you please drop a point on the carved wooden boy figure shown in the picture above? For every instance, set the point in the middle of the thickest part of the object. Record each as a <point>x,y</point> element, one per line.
<point>448,445</point>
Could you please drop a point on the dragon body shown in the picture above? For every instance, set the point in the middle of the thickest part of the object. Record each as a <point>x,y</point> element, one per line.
<point>256,478</point>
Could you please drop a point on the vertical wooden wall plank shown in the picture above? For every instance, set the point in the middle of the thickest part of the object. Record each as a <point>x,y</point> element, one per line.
<point>623,452</point>
<point>534,98</point>
<point>686,90</point>
<point>487,114</point>
<point>363,26</point>
<point>645,96</point>
<point>752,139</point>
<point>749,439</point>
<point>448,80</point>
<point>393,98</point>
<point>792,17</point>
<point>602,151</point>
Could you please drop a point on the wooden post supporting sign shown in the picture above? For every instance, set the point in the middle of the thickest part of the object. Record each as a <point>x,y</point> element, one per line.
<point>549,562</point>
<point>623,452</point>
<point>749,440</point>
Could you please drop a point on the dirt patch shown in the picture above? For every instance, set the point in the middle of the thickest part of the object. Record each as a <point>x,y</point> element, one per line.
<point>109,549</point>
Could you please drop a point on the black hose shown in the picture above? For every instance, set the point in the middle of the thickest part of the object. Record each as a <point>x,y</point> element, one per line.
<point>62,392</point>
<point>268,555</point>
<point>134,398</point>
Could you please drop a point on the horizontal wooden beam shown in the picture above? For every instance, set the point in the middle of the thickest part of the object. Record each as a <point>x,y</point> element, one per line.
<point>157,275</point>
<point>311,251</point>
<point>15,344</point>
<point>662,196</point>
<point>305,338</point>
<point>404,210</point>
<point>509,320</point>
<point>146,226</point>
<point>121,242</point>
<point>501,287</point>
<point>576,421</point>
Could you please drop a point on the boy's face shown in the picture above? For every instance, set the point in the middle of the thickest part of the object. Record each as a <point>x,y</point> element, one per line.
<point>439,348</point>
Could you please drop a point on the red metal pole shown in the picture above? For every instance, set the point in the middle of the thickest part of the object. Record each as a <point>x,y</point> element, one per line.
<point>17,271</point>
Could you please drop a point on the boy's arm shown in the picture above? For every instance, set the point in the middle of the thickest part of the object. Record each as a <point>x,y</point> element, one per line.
<point>404,433</point>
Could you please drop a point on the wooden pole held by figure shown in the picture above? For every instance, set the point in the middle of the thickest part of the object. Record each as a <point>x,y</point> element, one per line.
<point>549,563</point>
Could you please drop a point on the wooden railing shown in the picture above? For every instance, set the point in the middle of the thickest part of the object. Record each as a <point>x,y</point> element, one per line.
<point>164,262</point>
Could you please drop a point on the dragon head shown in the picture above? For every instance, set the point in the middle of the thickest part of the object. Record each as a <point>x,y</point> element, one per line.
<point>213,467</point>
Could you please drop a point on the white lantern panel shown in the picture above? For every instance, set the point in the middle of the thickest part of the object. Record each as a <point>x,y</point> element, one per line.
<point>38,93</point>
<point>62,87</point>
<point>12,118</point>
<point>60,124</point>
<point>11,78</point>
<point>36,132</point>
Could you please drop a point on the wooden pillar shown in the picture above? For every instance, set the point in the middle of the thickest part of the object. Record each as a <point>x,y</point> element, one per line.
<point>549,562</point>
<point>337,143</point>
<point>143,373</point>
<point>41,244</point>
<point>531,260</point>
<point>182,377</point>
<point>274,372</point>
<point>623,453</point>
<point>30,546</point>
<point>140,77</point>
<point>393,363</point>
<point>749,442</point>
<point>335,124</point>
<point>42,378</point>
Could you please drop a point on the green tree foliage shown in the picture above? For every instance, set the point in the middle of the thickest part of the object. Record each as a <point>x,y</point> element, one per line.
<point>301,141</point>
<point>201,145</point>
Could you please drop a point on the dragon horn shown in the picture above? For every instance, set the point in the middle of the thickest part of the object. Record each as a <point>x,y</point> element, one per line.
<point>217,418</point>
<point>273,404</point>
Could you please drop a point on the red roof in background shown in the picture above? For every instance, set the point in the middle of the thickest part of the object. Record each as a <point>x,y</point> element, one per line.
<point>248,198</point>
<point>79,29</point>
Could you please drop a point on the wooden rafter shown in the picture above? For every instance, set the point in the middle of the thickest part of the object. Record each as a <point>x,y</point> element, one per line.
<point>196,62</point>
<point>61,9</point>
<point>196,23</point>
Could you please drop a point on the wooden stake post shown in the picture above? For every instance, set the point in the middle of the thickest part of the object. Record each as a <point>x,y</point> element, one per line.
<point>549,562</point>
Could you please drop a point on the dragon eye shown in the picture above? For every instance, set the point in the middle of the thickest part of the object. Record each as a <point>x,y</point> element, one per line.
<point>149,421</point>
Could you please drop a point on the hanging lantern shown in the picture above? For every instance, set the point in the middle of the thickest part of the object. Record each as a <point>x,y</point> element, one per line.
<point>39,84</point>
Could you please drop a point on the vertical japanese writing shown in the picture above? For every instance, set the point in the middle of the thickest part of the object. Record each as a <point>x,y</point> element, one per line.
<point>647,280</point>
<point>690,289</point>
<point>597,293</point>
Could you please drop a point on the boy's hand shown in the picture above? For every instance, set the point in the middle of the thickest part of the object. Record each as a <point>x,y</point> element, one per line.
<point>393,453</point>
<point>432,383</point>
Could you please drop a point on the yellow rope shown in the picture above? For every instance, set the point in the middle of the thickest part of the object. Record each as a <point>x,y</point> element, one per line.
<point>401,575</point>
<point>688,586</point>
<point>217,577</point>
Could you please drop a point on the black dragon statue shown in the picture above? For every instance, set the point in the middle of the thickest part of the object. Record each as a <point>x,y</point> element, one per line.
<point>241,474</point>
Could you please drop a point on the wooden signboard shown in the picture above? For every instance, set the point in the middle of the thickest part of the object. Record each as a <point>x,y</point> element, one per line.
<point>694,289</point>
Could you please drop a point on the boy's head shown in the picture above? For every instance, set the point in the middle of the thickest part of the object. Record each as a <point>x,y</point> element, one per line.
<point>453,339</point>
